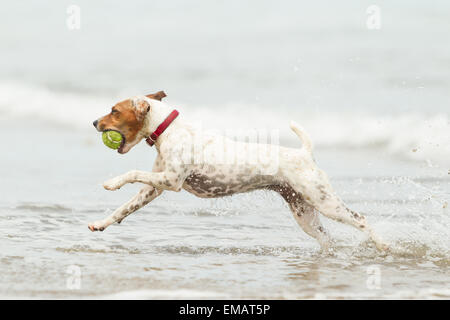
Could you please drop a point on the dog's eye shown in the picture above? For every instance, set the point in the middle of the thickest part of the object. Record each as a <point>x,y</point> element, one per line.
<point>114,111</point>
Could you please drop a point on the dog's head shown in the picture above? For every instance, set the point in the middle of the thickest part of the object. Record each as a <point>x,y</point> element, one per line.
<point>127,117</point>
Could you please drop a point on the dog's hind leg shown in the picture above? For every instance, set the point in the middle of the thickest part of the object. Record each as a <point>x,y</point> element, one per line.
<point>334,208</point>
<point>145,195</point>
<point>308,219</point>
<point>318,193</point>
<point>305,215</point>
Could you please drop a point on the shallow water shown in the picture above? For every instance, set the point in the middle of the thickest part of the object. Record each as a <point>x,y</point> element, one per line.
<point>245,246</point>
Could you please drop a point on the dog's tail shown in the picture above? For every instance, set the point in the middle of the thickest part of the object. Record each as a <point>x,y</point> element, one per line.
<point>306,141</point>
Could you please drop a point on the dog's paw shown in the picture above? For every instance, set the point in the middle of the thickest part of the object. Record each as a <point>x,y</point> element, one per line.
<point>113,184</point>
<point>97,226</point>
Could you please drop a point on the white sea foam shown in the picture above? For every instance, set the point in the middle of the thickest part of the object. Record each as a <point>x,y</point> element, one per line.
<point>165,294</point>
<point>412,136</point>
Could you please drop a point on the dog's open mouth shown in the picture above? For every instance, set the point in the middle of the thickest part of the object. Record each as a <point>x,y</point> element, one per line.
<point>122,144</point>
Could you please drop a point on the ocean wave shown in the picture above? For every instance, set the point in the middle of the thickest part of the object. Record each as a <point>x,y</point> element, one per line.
<point>42,207</point>
<point>412,136</point>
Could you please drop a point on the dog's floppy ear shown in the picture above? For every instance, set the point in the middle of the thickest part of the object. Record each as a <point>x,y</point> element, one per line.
<point>141,108</point>
<point>157,96</point>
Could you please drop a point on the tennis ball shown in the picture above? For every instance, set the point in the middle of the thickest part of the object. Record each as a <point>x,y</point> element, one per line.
<point>112,139</point>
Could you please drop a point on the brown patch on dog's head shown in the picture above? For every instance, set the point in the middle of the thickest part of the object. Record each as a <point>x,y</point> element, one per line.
<point>127,117</point>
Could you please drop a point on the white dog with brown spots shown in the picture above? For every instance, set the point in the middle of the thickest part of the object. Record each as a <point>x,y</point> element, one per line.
<point>206,165</point>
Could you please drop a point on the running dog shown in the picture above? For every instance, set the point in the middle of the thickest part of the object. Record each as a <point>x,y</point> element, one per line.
<point>193,160</point>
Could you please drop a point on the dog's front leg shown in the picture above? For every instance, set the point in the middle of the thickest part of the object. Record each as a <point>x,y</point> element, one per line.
<point>166,180</point>
<point>145,195</point>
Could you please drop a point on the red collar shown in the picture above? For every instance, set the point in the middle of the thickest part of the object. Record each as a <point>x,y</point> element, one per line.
<point>163,126</point>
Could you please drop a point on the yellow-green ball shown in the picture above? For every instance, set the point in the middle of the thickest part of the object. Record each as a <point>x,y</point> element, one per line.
<point>112,139</point>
